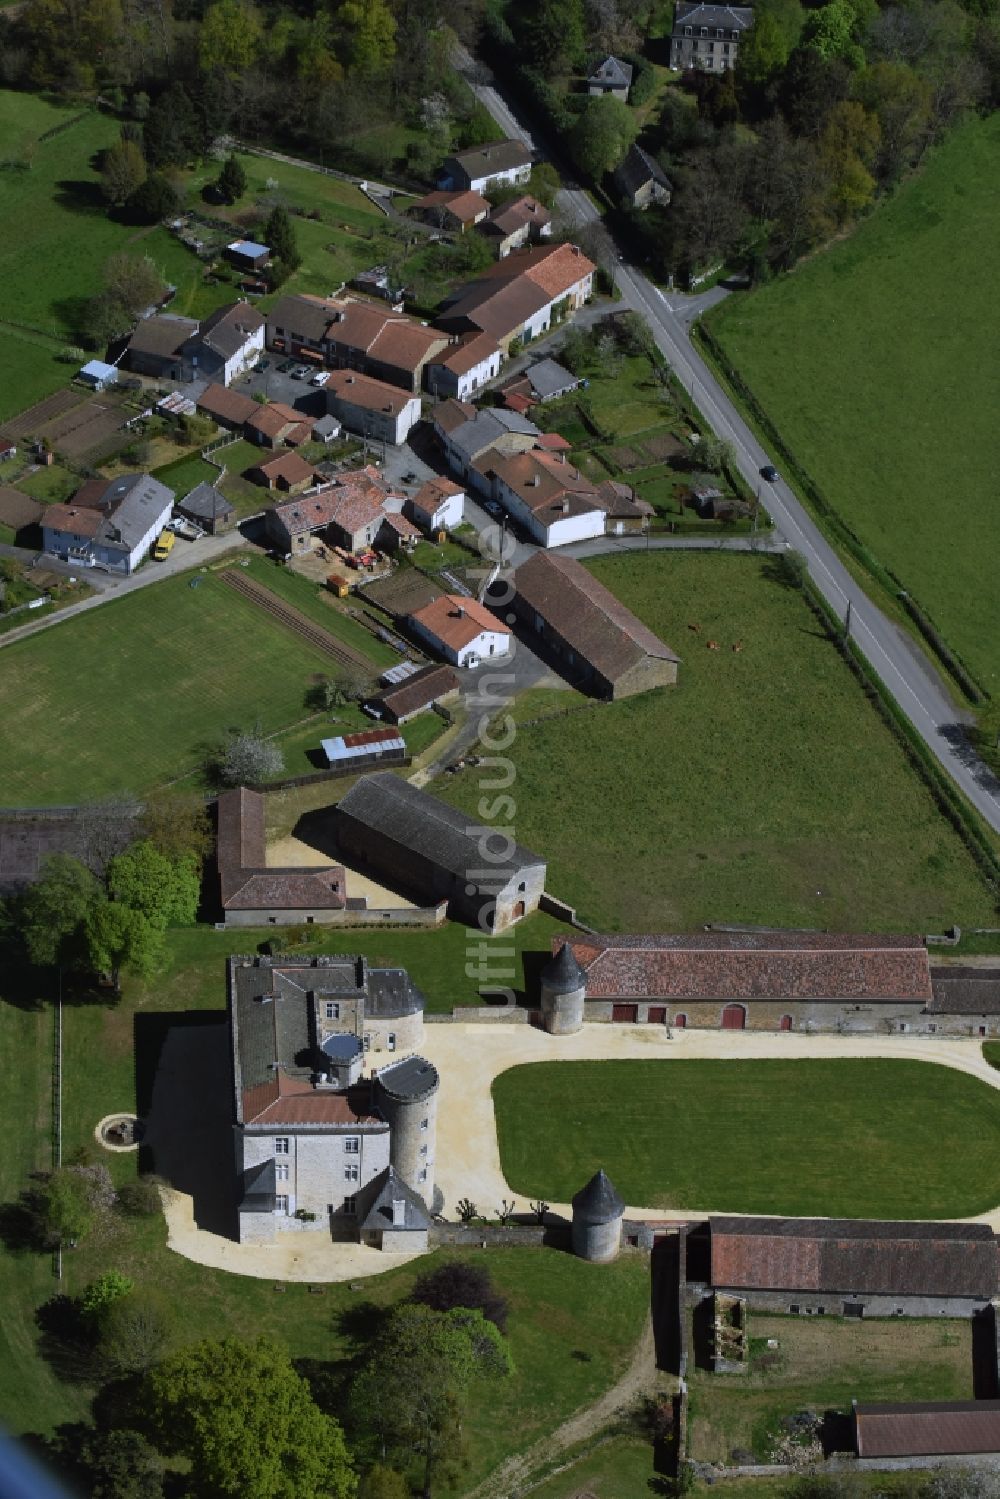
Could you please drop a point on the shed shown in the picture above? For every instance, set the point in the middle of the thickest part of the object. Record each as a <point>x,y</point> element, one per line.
<point>98,375</point>
<point>247,254</point>
<point>369,747</point>
<point>208,508</point>
<point>933,1428</point>
<point>338,584</point>
<point>325,429</point>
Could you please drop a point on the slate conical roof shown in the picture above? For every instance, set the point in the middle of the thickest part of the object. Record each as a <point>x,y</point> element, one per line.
<point>562,973</point>
<point>597,1202</point>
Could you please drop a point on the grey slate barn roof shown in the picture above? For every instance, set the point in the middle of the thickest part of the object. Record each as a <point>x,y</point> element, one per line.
<point>228,328</point>
<point>934,1428</point>
<point>637,169</point>
<point>479,433</point>
<point>164,334</point>
<point>422,823</point>
<point>548,378</point>
<point>597,1202</point>
<point>612,73</point>
<point>205,503</point>
<point>128,506</point>
<point>846,1256</point>
<point>491,159</point>
<point>425,686</point>
<point>375,1207</point>
<point>965,991</point>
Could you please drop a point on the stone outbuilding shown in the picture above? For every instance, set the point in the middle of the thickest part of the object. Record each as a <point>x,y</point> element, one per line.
<point>598,1212</point>
<point>393,1216</point>
<point>563,992</point>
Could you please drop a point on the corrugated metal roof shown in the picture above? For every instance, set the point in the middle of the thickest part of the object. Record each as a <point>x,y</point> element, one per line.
<point>357,746</point>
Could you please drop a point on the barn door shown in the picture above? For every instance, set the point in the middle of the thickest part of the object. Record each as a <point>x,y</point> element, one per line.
<point>785,1023</point>
<point>657,1015</point>
<point>625,1014</point>
<point>734,1018</point>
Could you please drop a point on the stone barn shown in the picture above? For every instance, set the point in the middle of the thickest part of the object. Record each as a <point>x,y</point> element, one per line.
<point>414,841</point>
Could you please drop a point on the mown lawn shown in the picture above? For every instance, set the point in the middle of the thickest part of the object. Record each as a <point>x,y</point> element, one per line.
<point>762,788</point>
<point>130,695</point>
<point>876,360</point>
<point>875,1138</point>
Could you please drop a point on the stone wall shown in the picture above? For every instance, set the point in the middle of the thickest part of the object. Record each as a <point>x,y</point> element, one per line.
<point>832,1303</point>
<point>496,1235</point>
<point>317,1162</point>
<point>838,1018</point>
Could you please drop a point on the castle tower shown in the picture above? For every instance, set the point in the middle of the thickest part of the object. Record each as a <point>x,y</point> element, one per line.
<point>597,1220</point>
<point>405,1094</point>
<point>563,992</point>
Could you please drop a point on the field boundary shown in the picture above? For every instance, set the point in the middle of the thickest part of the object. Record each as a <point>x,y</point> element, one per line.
<point>831,518</point>
<point>287,615</point>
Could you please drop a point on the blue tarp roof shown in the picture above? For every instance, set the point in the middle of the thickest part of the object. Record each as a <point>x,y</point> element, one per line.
<point>249,247</point>
<point>98,370</point>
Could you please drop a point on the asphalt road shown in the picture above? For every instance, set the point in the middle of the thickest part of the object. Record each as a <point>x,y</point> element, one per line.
<point>906,672</point>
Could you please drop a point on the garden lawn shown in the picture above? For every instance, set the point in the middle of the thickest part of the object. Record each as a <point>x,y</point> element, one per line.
<point>30,367</point>
<point>876,1138</point>
<point>319,604</point>
<point>876,361</point>
<point>762,788</point>
<point>129,696</point>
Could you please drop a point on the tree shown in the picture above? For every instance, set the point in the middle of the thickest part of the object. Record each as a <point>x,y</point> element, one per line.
<point>134,281</point>
<point>556,31</point>
<point>459,1283</point>
<point>229,38</point>
<point>601,136</point>
<point>831,31</point>
<point>901,102</point>
<point>249,759</point>
<point>116,938</point>
<point>166,891</point>
<point>385,1483</point>
<point>279,236</point>
<point>371,27</point>
<point>72,1200</point>
<point>247,1423</point>
<point>133,1333</point>
<point>544,183</point>
<point>232,180</point>
<point>52,911</point>
<point>123,171</point>
<point>177,824</point>
<point>156,199</point>
<point>120,1464</point>
<point>171,133</point>
<point>104,1292</point>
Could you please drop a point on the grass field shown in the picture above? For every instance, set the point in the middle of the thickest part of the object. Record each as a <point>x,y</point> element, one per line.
<point>840,1138</point>
<point>864,360</point>
<point>128,696</point>
<point>822,1364</point>
<point>762,788</point>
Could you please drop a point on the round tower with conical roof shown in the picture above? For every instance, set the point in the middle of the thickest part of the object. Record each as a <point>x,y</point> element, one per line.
<point>597,1220</point>
<point>563,992</point>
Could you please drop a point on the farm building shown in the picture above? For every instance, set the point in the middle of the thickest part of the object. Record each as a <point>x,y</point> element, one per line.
<point>247,255</point>
<point>208,508</point>
<point>514,224</point>
<point>420,843</point>
<point>228,343</point>
<point>481,168</point>
<point>286,471</point>
<point>364,749</point>
<point>464,367</point>
<point>927,1429</point>
<point>812,981</point>
<point>518,297</point>
<point>420,690</point>
<point>461,630</point>
<point>98,375</point>
<point>351,512</point>
<point>251,893</point>
<point>467,433</point>
<point>274,424</point>
<point>544,491</point>
<point>371,407</point>
<point>455,211</point>
<point>109,523</point>
<point>313,1134</point>
<point>156,347</point>
<point>438,505</point>
<point>546,380</point>
<point>846,1267</point>
<point>596,641</point>
<point>227,407</point>
<point>347,333</point>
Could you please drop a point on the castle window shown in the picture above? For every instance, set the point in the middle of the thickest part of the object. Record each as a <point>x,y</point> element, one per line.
<point>281,1172</point>
<point>352,1172</point>
<point>390,1040</point>
<point>350,1204</point>
<point>352,1145</point>
<point>281,1203</point>
<point>422,1174</point>
<point>281,1145</point>
<point>331,1009</point>
<point>423,1124</point>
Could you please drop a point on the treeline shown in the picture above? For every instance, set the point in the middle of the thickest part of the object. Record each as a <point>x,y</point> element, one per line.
<point>827,108</point>
<point>329,79</point>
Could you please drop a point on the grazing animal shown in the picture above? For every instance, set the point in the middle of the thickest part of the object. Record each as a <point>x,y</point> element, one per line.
<point>737,645</point>
<point>713,645</point>
<point>695,628</point>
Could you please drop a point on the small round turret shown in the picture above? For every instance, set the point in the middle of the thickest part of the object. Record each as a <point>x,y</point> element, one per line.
<point>563,993</point>
<point>405,1094</point>
<point>597,1220</point>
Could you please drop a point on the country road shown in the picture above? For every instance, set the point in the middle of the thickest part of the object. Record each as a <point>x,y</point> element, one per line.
<point>906,672</point>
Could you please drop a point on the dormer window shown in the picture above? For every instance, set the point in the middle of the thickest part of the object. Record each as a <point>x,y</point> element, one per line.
<point>687,31</point>
<point>331,1009</point>
<point>398,1212</point>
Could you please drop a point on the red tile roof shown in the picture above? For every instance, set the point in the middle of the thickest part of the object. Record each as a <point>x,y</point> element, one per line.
<point>461,357</point>
<point>352,501</point>
<point>74,520</point>
<point>272,420</point>
<point>226,405</point>
<point>245,881</point>
<point>456,621</point>
<point>931,1429</point>
<point>464,206</point>
<point>368,394</point>
<point>289,1100</point>
<point>288,468</point>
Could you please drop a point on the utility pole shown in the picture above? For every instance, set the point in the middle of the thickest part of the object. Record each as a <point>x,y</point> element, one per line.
<point>847,623</point>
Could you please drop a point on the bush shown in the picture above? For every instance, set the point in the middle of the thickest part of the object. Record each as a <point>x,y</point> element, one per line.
<point>101,1293</point>
<point>139,1199</point>
<point>458,1283</point>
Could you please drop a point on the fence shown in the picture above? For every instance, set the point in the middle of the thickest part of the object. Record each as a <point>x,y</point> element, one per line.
<point>335,773</point>
<point>57,1050</point>
<point>837,525</point>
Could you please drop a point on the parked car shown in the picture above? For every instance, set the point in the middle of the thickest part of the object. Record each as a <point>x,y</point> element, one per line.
<point>321,378</point>
<point>302,372</point>
<point>265,364</point>
<point>494,508</point>
<point>164,546</point>
<point>286,366</point>
<point>770,473</point>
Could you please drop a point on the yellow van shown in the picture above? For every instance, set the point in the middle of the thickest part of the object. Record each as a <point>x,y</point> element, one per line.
<point>164,546</point>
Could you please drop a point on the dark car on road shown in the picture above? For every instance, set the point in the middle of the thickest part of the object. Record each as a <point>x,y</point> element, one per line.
<point>770,473</point>
<point>285,366</point>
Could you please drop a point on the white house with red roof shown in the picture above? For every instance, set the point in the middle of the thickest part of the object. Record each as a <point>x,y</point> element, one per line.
<point>461,630</point>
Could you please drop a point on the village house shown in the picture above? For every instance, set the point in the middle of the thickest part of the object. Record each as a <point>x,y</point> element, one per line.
<point>708,36</point>
<point>514,224</point>
<point>461,630</point>
<point>227,408</point>
<point>521,296</point>
<point>321,1144</point>
<point>398,702</point>
<point>546,494</point>
<point>482,168</point>
<point>109,523</point>
<point>611,76</point>
<point>438,505</point>
<point>455,211</point>
<point>220,348</point>
<point>641,181</point>
<point>286,471</point>
<point>545,380</point>
<point>777,981</point>
<point>370,407</point>
<point>463,368</point>
<point>209,509</point>
<point>253,894</point>
<point>420,843</point>
<point>913,1433</point>
<point>344,333</point>
<point>597,643</point>
<point>850,1268</point>
<point>349,512</point>
<point>156,347</point>
<point>275,424</point>
<point>465,433</point>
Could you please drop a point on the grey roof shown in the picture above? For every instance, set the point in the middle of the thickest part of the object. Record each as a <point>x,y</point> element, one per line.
<point>259,1186</point>
<point>639,168</point>
<point>494,157</point>
<point>694,13</point>
<point>482,431</point>
<point>562,973</point>
<point>411,1078</point>
<point>205,502</point>
<point>375,1208</point>
<point>131,504</point>
<point>325,425</point>
<point>548,378</point>
<point>962,990</point>
<point>597,1202</point>
<point>421,823</point>
<point>164,334</point>
<point>612,73</point>
<point>227,329</point>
